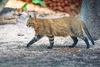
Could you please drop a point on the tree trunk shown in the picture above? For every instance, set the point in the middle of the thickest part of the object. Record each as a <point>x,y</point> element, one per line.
<point>90,14</point>
<point>2,4</point>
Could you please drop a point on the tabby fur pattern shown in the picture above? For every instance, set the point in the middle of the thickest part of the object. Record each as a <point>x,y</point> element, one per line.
<point>65,26</point>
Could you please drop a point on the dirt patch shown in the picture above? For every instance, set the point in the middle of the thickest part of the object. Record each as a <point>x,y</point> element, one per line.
<point>15,54</point>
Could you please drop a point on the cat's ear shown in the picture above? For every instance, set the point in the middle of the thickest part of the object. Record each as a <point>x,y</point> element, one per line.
<point>35,16</point>
<point>30,16</point>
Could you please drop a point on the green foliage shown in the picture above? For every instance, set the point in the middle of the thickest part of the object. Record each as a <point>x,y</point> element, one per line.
<point>39,2</point>
<point>24,7</point>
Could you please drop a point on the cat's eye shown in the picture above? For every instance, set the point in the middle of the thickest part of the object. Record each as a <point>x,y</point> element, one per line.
<point>30,16</point>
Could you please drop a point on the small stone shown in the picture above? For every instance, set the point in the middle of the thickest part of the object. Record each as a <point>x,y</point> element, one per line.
<point>20,34</point>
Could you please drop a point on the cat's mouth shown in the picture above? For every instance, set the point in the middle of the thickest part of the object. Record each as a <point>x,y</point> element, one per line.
<point>28,25</point>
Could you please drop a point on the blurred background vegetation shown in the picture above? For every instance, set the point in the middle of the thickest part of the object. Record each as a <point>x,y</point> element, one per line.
<point>72,7</point>
<point>68,6</point>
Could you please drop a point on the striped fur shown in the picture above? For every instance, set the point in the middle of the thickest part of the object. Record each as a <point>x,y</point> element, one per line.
<point>65,26</point>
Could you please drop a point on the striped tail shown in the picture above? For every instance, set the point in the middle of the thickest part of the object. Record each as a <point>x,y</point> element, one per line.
<point>88,34</point>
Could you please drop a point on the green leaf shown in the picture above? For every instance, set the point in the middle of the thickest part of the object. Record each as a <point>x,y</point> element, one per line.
<point>25,4</point>
<point>24,7</point>
<point>39,2</point>
<point>42,4</point>
<point>36,1</point>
